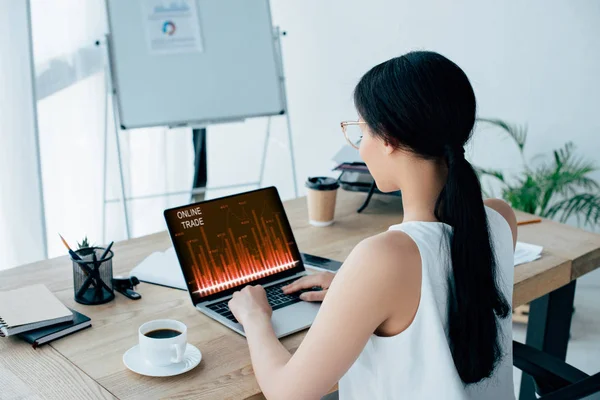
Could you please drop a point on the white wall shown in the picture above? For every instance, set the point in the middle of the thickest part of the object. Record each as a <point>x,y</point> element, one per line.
<point>534,62</point>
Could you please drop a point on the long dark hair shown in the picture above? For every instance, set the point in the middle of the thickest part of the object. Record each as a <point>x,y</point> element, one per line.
<point>424,103</point>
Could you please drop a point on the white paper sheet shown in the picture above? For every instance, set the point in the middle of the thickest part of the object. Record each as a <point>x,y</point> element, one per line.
<point>525,252</point>
<point>172,26</point>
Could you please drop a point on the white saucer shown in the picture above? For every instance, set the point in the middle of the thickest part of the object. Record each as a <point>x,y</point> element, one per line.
<point>134,361</point>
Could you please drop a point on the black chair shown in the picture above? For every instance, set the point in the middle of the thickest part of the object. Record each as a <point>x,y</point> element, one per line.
<point>554,379</point>
<point>331,396</point>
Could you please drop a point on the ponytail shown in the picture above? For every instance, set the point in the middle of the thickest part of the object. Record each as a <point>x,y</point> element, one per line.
<point>475,301</point>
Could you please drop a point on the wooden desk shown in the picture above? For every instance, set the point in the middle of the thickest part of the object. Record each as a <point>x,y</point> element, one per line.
<point>89,364</point>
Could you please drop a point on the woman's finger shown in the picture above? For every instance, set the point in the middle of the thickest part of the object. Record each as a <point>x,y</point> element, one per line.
<point>313,296</point>
<point>306,282</point>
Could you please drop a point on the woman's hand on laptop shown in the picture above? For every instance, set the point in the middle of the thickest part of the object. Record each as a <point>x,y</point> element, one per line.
<point>321,280</point>
<point>250,302</point>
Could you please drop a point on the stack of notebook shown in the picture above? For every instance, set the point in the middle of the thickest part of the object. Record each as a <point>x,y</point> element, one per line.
<point>36,315</point>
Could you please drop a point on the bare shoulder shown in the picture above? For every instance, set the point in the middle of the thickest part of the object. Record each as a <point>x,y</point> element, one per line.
<point>502,208</point>
<point>390,253</point>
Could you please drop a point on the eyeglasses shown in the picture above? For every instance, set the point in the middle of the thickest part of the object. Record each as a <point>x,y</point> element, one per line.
<point>353,132</point>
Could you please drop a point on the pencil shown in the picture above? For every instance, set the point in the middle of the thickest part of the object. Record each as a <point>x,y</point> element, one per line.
<point>71,252</point>
<point>529,221</point>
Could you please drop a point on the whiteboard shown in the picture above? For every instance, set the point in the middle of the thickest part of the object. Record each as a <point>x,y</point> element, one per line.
<point>234,73</point>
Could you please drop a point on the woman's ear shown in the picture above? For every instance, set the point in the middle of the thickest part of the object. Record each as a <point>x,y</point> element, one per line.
<point>388,148</point>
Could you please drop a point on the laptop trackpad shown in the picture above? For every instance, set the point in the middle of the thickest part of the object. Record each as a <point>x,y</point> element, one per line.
<point>294,318</point>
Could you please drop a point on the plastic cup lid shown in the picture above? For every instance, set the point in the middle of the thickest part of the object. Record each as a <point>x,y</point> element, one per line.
<point>322,183</point>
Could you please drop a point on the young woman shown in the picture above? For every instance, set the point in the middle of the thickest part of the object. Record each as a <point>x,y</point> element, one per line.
<point>421,311</point>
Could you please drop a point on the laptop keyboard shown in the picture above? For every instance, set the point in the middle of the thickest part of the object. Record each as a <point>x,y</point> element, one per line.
<point>275,297</point>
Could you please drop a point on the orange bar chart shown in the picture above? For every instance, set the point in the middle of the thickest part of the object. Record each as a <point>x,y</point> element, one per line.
<point>240,259</point>
<point>239,240</point>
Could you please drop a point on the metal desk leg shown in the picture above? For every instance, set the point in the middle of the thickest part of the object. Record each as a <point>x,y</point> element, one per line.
<point>366,203</point>
<point>548,329</point>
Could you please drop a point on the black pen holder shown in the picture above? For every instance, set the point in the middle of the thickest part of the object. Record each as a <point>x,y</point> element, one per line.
<point>92,276</point>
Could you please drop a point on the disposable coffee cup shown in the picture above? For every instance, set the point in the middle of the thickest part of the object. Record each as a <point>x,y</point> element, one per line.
<point>163,342</point>
<point>322,192</point>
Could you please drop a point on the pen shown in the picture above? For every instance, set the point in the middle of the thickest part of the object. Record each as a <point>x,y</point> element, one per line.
<point>106,251</point>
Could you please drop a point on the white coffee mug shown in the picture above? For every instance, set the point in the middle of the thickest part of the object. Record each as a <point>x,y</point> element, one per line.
<point>163,352</point>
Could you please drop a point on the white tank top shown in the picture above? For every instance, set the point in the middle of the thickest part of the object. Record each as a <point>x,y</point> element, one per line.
<point>417,363</point>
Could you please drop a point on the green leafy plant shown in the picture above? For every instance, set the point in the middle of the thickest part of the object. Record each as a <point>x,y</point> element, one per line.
<point>85,248</point>
<point>556,187</point>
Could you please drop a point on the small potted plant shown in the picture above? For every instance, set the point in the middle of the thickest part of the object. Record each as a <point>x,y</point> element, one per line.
<point>84,248</point>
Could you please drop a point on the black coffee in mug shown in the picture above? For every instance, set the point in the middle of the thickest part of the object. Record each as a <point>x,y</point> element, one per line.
<point>162,333</point>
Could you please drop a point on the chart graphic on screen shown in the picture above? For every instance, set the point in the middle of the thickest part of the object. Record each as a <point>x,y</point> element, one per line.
<point>228,242</point>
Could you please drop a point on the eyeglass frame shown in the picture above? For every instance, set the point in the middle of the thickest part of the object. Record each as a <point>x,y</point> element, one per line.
<point>344,124</point>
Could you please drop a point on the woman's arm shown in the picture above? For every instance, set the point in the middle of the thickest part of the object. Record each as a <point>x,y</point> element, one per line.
<point>502,208</point>
<point>361,297</point>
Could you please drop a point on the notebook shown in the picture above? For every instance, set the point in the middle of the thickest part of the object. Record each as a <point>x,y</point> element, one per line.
<point>41,336</point>
<point>29,308</point>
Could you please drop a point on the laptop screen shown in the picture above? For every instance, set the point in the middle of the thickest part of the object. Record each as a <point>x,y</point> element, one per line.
<point>226,243</point>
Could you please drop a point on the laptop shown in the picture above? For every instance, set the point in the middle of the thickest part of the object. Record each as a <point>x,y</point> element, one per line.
<point>225,244</point>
